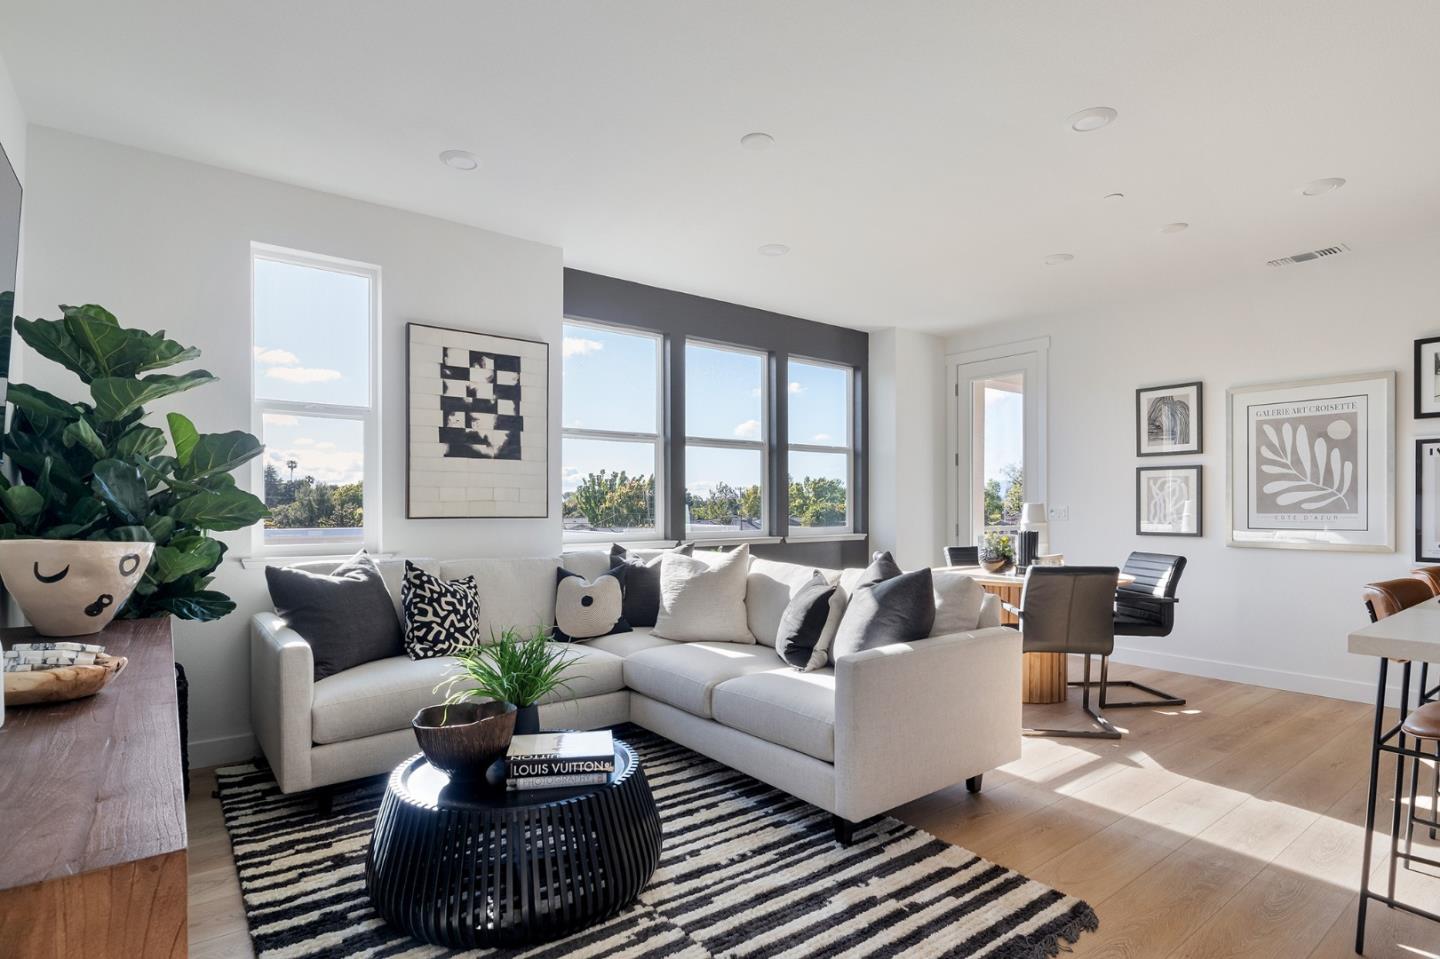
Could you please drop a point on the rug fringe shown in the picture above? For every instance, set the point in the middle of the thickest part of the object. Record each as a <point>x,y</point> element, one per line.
<point>1064,938</point>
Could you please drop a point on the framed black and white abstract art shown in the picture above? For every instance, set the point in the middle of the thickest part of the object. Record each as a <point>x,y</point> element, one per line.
<point>1169,501</point>
<point>1427,500</point>
<point>1312,464</point>
<point>478,419</point>
<point>1427,378</point>
<point>1169,419</point>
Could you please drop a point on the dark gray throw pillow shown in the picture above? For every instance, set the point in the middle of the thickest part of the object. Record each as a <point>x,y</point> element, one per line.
<point>801,639</point>
<point>642,581</point>
<point>887,606</point>
<point>347,617</point>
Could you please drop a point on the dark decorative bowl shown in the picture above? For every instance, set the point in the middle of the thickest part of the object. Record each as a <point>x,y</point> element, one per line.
<point>464,739</point>
<point>994,564</point>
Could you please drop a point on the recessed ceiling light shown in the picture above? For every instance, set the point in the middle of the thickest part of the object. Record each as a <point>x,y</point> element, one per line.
<point>1055,259</point>
<point>757,141</point>
<point>1174,227</point>
<point>774,249</point>
<point>1317,187</point>
<point>1092,119</point>
<point>1114,196</point>
<point>460,160</point>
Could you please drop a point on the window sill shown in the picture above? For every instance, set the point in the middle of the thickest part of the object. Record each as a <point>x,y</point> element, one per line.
<point>826,537</point>
<point>603,543</point>
<point>721,540</point>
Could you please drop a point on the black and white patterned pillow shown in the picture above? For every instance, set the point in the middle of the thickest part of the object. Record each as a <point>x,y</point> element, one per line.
<point>584,610</point>
<point>440,615</point>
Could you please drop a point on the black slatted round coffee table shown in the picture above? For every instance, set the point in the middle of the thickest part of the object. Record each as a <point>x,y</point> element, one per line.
<point>467,865</point>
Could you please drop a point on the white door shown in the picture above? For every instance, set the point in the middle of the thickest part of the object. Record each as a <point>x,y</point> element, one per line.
<point>999,442</point>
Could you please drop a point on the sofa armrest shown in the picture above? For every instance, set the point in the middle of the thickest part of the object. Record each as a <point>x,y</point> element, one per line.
<point>282,686</point>
<point>911,718</point>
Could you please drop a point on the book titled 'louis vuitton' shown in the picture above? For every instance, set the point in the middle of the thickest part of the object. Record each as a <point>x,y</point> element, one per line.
<point>561,754</point>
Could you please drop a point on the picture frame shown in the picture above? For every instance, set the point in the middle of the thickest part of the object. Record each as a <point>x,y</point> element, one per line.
<point>1427,378</point>
<point>477,425</point>
<point>1311,464</point>
<point>1170,500</point>
<point>1170,420</point>
<point>1427,500</point>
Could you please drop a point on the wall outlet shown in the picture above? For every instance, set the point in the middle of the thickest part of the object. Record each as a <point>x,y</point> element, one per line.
<point>1059,514</point>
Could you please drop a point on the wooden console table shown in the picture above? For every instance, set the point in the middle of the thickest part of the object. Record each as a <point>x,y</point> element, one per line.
<point>92,813</point>
<point>1043,676</point>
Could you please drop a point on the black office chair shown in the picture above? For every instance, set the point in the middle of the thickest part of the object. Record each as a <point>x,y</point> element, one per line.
<point>962,556</point>
<point>1071,609</point>
<point>1145,607</point>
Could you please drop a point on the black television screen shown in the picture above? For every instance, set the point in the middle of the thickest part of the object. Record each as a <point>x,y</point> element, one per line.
<point>9,258</point>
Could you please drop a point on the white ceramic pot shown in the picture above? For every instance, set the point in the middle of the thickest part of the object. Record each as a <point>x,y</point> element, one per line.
<point>71,587</point>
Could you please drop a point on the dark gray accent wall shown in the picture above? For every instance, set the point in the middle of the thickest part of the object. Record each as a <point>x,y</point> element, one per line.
<point>677,316</point>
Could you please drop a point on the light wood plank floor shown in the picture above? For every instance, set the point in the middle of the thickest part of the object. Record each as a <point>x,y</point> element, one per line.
<point>1229,827</point>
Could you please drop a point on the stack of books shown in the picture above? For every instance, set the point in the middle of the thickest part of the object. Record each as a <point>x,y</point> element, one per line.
<point>560,760</point>
<point>29,657</point>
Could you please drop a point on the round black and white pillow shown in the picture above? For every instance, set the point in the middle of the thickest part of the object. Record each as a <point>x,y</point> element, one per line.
<point>584,610</point>
<point>441,616</point>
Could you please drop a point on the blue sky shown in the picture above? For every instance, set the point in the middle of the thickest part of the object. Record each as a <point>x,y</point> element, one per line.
<point>1004,431</point>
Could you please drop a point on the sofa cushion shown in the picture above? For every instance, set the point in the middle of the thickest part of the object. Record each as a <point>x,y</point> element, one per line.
<point>769,587</point>
<point>345,616</point>
<point>809,624</point>
<point>704,598</point>
<point>887,606</point>
<point>642,580</point>
<point>392,571</point>
<point>685,674</point>
<point>517,592</point>
<point>958,601</point>
<point>785,707</point>
<point>384,695</point>
<point>441,616</point>
<point>626,645</point>
<point>585,609</point>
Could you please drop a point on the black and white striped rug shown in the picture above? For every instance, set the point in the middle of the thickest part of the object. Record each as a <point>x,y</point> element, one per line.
<point>746,871</point>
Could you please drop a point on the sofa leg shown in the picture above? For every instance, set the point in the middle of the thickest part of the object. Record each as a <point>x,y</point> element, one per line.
<point>844,830</point>
<point>324,800</point>
<point>973,783</point>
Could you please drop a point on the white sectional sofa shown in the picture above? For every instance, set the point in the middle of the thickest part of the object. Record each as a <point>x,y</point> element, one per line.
<point>875,730</point>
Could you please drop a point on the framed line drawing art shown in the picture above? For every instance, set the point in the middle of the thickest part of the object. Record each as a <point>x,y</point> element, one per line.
<point>1312,464</point>
<point>1427,378</point>
<point>1169,501</point>
<point>478,415</point>
<point>1427,500</point>
<point>1169,419</point>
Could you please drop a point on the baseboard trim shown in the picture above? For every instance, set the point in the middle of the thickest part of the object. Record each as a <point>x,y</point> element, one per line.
<point>221,750</point>
<point>1360,691</point>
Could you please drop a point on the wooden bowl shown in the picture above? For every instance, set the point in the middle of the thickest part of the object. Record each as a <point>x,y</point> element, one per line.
<point>463,740</point>
<point>62,684</point>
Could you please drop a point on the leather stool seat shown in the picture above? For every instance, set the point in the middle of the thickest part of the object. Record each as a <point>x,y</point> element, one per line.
<point>1423,723</point>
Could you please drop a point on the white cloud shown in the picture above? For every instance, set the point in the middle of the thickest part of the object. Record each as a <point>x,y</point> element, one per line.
<point>281,419</point>
<point>748,430</point>
<point>579,346</point>
<point>305,441</point>
<point>327,445</point>
<point>272,357</point>
<point>821,438</point>
<point>328,466</point>
<point>302,374</point>
<point>796,388</point>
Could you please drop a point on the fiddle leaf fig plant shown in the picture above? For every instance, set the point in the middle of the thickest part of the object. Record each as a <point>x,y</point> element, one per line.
<point>93,470</point>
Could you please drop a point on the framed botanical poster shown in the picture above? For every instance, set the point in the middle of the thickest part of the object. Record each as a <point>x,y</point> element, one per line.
<point>1427,500</point>
<point>478,418</point>
<point>1312,463</point>
<point>1168,501</point>
<point>1427,378</point>
<point>1169,419</point>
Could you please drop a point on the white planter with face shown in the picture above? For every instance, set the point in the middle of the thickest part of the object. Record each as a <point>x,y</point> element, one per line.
<point>71,587</point>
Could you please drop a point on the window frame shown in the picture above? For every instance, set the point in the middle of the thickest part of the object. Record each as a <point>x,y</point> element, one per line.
<point>656,439</point>
<point>368,415</point>
<point>762,444</point>
<point>804,532</point>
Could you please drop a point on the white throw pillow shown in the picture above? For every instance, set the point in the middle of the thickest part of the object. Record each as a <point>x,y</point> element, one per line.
<point>702,600</point>
<point>957,603</point>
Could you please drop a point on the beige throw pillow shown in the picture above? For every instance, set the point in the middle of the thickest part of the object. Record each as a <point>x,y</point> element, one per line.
<point>702,600</point>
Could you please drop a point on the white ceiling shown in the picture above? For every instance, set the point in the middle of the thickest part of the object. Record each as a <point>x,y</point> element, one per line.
<point>922,169</point>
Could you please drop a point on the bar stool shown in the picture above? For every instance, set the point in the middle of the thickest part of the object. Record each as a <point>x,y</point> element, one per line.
<point>1424,725</point>
<point>1429,575</point>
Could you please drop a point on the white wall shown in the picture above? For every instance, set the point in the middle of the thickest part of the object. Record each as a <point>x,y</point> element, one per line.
<point>1272,617</point>
<point>165,244</point>
<point>13,139</point>
<point>907,446</point>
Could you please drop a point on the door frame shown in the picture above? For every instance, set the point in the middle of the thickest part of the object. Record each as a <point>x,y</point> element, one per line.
<point>1037,350</point>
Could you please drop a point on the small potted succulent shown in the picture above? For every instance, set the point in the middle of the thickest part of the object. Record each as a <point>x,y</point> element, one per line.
<point>463,736</point>
<point>997,553</point>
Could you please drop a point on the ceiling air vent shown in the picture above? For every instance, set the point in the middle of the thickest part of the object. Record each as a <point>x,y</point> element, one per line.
<point>1311,255</point>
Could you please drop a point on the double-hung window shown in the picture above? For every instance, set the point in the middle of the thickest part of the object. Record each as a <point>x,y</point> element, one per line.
<point>725,441</point>
<point>314,384</point>
<point>821,401</point>
<point>611,452</point>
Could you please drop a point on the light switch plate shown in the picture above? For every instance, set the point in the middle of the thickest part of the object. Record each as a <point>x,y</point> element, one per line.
<point>1059,514</point>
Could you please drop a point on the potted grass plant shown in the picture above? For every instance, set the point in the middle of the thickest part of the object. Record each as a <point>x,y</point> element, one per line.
<point>492,693</point>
